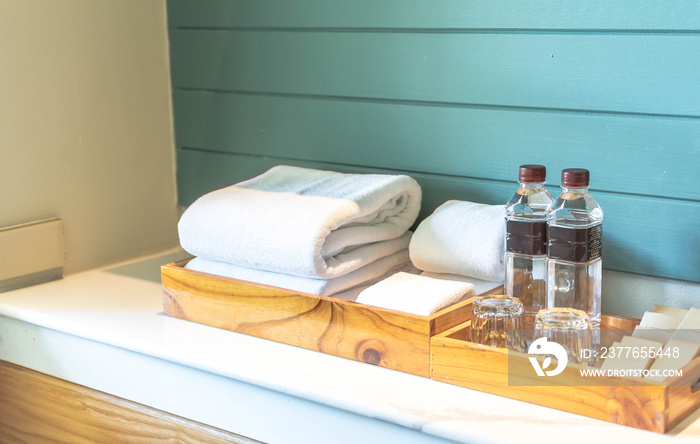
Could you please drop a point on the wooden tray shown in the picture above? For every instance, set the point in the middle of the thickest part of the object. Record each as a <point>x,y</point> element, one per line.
<point>387,338</point>
<point>635,402</point>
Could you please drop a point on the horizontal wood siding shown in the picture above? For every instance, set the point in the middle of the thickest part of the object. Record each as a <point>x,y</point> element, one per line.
<point>580,71</point>
<point>456,94</point>
<point>462,141</point>
<point>592,15</point>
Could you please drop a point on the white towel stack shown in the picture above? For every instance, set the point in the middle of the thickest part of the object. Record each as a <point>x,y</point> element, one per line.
<point>461,238</point>
<point>308,230</point>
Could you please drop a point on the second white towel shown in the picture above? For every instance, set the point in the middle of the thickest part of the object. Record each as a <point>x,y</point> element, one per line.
<point>412,293</point>
<point>463,238</point>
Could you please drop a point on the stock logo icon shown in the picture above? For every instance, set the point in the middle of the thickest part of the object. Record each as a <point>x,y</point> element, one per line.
<point>542,347</point>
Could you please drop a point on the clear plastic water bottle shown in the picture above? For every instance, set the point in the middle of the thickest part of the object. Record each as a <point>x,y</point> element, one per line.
<point>525,260</point>
<point>575,251</point>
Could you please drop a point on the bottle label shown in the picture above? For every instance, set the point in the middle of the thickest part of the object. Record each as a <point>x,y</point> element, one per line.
<point>576,244</point>
<point>526,237</point>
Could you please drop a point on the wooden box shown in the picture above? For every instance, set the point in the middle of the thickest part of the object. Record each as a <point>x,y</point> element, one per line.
<point>387,338</point>
<point>635,402</point>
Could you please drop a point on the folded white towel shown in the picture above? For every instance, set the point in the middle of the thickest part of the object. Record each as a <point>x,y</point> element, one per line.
<point>303,222</point>
<point>352,294</point>
<point>480,285</point>
<point>412,293</point>
<point>368,274</point>
<point>463,238</point>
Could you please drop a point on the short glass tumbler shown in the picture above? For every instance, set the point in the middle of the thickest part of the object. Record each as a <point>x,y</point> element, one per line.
<point>568,327</point>
<point>497,321</point>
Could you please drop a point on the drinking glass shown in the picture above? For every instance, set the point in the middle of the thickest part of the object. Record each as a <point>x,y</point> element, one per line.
<point>497,321</point>
<point>568,327</point>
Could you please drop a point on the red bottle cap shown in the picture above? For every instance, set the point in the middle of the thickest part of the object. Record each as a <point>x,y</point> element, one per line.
<point>532,173</point>
<point>574,178</point>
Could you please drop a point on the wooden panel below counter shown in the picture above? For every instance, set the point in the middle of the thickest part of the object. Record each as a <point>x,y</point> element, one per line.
<point>38,408</point>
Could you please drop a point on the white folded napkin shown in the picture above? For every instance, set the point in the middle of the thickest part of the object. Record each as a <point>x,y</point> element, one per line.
<point>303,222</point>
<point>369,274</point>
<point>480,285</point>
<point>463,238</point>
<point>412,293</point>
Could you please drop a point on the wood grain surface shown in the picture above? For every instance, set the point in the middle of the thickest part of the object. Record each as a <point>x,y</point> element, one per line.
<point>387,338</point>
<point>38,408</point>
<point>634,402</point>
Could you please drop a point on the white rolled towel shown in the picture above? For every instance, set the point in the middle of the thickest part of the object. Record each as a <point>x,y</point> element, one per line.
<point>303,222</point>
<point>367,275</point>
<point>463,238</point>
<point>412,293</point>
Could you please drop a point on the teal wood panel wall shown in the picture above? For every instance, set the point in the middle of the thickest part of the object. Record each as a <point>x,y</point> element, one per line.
<point>457,94</point>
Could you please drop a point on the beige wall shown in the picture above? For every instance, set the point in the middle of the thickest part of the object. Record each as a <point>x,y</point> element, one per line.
<point>86,127</point>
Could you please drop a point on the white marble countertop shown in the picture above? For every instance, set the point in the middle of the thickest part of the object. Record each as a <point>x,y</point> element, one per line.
<point>105,329</point>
